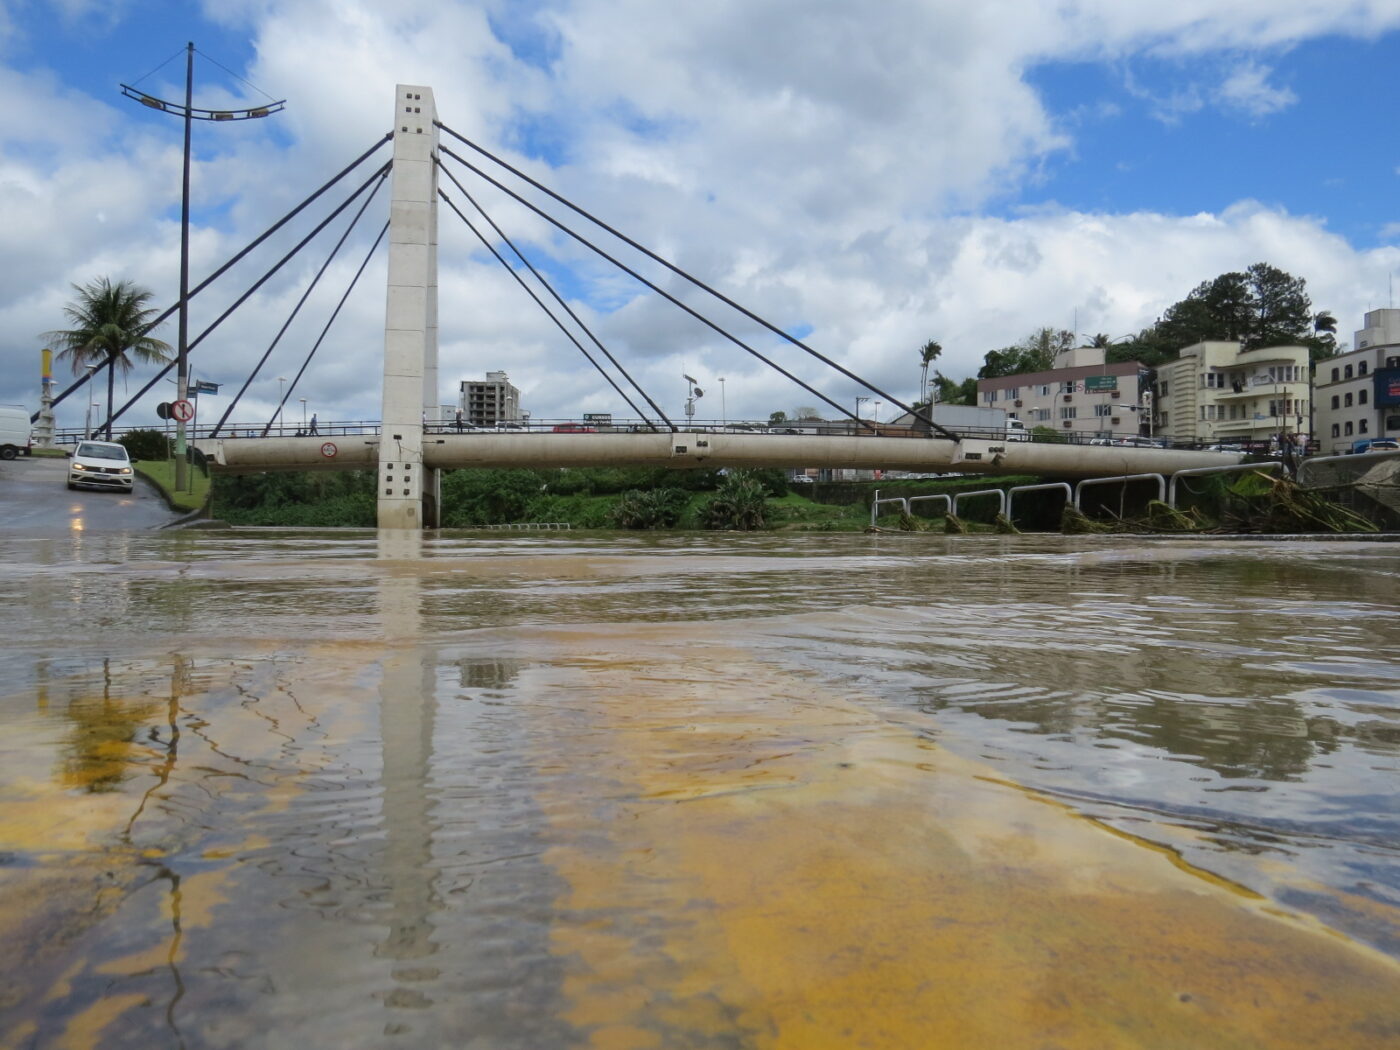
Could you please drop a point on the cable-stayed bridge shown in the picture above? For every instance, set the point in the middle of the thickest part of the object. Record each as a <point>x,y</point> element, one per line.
<point>412,445</point>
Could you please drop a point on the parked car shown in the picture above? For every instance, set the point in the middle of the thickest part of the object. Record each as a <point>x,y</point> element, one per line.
<point>100,465</point>
<point>1376,445</point>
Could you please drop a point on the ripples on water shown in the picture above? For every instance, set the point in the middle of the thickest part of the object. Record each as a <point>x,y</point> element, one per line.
<point>1237,702</point>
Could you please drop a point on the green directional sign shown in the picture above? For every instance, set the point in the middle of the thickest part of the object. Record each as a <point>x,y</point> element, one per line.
<point>1100,383</point>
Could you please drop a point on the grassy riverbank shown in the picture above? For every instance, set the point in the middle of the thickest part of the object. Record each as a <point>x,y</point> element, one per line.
<point>603,498</point>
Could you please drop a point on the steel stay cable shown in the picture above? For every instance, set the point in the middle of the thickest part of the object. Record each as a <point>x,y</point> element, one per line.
<point>236,258</point>
<point>296,310</point>
<point>693,280</point>
<point>538,302</point>
<point>379,174</point>
<point>659,291</point>
<point>557,298</point>
<point>329,321</point>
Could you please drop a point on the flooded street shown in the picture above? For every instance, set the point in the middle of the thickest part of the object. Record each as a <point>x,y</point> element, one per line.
<point>296,789</point>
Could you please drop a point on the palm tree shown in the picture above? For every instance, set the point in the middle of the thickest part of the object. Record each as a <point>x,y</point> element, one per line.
<point>927,353</point>
<point>109,321</point>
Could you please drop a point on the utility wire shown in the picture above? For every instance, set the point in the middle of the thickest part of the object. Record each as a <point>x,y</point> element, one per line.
<point>557,298</point>
<point>658,290</point>
<point>334,314</point>
<point>209,58</point>
<point>693,280</point>
<point>295,310</point>
<point>259,283</point>
<point>233,261</point>
<point>548,313</point>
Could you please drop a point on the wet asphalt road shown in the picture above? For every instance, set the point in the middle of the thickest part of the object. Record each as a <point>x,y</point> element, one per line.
<point>34,498</point>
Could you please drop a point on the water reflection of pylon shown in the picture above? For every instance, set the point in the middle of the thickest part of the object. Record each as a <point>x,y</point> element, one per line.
<point>408,706</point>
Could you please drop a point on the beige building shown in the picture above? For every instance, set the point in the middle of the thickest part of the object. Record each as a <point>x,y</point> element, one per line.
<point>1216,393</point>
<point>1081,395</point>
<point>492,401</point>
<point>1357,394</point>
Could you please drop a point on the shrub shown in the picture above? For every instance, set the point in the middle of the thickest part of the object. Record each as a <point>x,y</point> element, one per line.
<point>148,445</point>
<point>654,509</point>
<point>739,504</point>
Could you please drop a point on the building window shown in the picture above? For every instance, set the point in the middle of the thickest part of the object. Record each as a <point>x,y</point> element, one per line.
<point>1040,413</point>
<point>1346,372</point>
<point>1336,376</point>
<point>1336,401</point>
<point>1103,410</point>
<point>1045,390</point>
<point>1362,396</point>
<point>1363,426</point>
<point>1067,387</point>
<point>989,396</point>
<point>1164,388</point>
<point>1346,401</point>
<point>1012,393</point>
<point>1392,362</point>
<point>1346,430</point>
<point>1362,368</point>
<point>1069,412</point>
<point>1336,430</point>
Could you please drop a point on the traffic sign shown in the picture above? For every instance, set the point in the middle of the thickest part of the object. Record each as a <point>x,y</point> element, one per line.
<point>163,410</point>
<point>183,411</point>
<point>329,450</point>
<point>203,387</point>
<point>1094,383</point>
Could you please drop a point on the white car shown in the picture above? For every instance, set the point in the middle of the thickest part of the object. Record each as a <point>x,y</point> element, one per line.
<point>101,465</point>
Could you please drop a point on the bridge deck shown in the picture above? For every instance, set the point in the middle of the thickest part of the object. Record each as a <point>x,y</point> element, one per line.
<point>689,450</point>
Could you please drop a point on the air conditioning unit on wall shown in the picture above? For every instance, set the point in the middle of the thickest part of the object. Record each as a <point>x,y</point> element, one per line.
<point>1115,421</point>
<point>1018,404</point>
<point>1069,397</point>
<point>1068,423</point>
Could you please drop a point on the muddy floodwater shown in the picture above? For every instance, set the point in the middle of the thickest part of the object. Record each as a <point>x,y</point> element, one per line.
<point>301,790</point>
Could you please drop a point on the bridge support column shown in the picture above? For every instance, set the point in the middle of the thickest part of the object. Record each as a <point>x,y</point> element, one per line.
<point>407,498</point>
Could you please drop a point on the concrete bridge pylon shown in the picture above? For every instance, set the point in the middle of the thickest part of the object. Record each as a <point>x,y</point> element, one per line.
<point>408,494</point>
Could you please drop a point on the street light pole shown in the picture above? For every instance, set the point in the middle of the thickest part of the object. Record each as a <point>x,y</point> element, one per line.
<point>280,398</point>
<point>303,414</point>
<point>189,115</point>
<point>723,405</point>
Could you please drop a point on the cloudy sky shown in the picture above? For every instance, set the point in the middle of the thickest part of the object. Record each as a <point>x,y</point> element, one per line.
<point>865,176</point>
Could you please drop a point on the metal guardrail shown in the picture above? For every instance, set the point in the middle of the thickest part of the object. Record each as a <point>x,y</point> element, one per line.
<point>1000,494</point>
<point>1201,471</point>
<point>1125,478</point>
<point>1351,458</point>
<point>1011,492</point>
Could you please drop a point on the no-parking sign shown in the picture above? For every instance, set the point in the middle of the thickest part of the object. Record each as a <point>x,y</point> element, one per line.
<point>183,411</point>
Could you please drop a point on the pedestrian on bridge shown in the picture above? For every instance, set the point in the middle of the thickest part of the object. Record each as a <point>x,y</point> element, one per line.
<point>457,419</point>
<point>312,431</point>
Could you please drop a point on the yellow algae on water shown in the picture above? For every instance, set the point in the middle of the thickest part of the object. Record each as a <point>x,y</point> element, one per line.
<point>775,868</point>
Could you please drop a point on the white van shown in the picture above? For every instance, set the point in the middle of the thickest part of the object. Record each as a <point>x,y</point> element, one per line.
<point>14,431</point>
<point>1016,430</point>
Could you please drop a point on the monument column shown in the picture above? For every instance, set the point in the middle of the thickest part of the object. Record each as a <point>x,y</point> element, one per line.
<point>408,495</point>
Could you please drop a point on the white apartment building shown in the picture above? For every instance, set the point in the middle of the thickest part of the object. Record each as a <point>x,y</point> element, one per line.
<point>1216,393</point>
<point>495,400</point>
<point>1357,394</point>
<point>1081,394</point>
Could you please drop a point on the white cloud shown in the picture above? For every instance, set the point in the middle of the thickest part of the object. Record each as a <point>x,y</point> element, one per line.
<point>1248,90</point>
<point>825,163</point>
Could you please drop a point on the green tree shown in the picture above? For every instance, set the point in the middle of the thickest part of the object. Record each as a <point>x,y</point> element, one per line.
<point>109,322</point>
<point>1035,353</point>
<point>948,392</point>
<point>928,353</point>
<point>774,418</point>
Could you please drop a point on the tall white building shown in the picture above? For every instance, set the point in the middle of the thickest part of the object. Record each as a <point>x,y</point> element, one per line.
<point>1358,393</point>
<point>1216,393</point>
<point>491,401</point>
